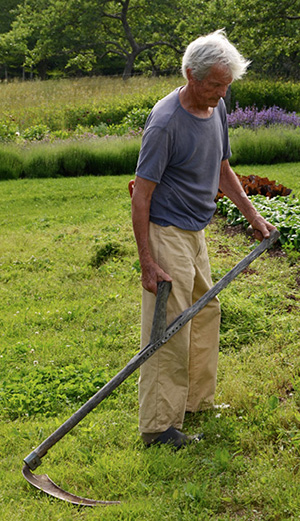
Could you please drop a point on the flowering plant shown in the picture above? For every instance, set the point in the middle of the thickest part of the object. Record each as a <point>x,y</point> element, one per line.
<point>251,117</point>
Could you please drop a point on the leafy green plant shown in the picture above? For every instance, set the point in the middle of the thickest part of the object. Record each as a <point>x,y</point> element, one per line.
<point>48,390</point>
<point>36,132</point>
<point>282,212</point>
<point>102,129</point>
<point>9,131</point>
<point>136,118</point>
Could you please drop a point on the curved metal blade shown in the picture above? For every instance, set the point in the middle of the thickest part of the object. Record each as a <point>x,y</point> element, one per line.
<point>43,482</point>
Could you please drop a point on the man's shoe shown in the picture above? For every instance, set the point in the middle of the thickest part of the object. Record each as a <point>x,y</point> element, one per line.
<point>174,438</point>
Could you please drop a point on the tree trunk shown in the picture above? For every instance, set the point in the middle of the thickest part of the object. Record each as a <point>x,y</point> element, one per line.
<point>42,67</point>
<point>127,73</point>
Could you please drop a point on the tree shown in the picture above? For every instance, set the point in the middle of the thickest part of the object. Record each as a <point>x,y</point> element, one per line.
<point>90,35</point>
<point>133,27</point>
<point>267,32</point>
<point>54,33</point>
<point>8,48</point>
<point>81,33</point>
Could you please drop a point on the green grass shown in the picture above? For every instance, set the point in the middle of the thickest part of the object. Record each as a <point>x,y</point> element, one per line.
<point>70,296</point>
<point>53,102</point>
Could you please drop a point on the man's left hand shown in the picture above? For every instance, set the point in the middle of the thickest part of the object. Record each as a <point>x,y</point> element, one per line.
<point>261,227</point>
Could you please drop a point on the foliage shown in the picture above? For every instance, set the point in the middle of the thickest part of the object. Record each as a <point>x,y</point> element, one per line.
<point>8,131</point>
<point>77,36</point>
<point>282,212</point>
<point>251,117</point>
<point>84,36</point>
<point>271,145</point>
<point>94,105</point>
<point>11,164</point>
<point>48,390</point>
<point>266,93</point>
<point>101,157</point>
<point>268,33</point>
<point>111,155</point>
<point>36,132</point>
<point>7,14</point>
<point>136,118</point>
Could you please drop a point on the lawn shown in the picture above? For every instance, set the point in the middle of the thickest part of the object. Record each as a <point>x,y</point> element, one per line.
<point>70,320</point>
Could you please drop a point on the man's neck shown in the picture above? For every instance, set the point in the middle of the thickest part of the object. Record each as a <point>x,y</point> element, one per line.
<point>187,102</point>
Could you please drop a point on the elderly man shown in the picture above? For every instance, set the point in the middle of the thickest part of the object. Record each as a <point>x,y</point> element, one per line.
<point>182,162</point>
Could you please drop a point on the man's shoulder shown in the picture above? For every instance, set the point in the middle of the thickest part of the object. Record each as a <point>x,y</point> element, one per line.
<point>164,110</point>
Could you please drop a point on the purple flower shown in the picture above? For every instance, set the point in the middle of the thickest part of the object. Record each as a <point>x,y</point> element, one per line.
<point>250,117</point>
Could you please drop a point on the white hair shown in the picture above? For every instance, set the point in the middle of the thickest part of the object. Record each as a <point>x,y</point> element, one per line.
<point>212,49</point>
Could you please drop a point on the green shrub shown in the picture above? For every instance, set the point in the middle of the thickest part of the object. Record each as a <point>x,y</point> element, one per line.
<point>114,157</point>
<point>42,161</point>
<point>77,158</point>
<point>266,93</point>
<point>10,164</point>
<point>132,112</point>
<point>36,133</point>
<point>89,116</point>
<point>265,145</point>
<point>8,131</point>
<point>100,130</point>
<point>136,118</point>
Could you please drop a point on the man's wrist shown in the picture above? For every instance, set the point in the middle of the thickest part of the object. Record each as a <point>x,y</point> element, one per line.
<point>145,258</point>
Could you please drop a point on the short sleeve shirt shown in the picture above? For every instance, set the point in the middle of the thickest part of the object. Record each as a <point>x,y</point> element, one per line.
<point>182,154</point>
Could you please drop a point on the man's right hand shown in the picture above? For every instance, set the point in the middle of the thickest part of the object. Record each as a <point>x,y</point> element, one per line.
<point>151,275</point>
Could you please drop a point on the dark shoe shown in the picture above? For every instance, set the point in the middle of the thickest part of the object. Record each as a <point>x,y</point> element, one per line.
<point>174,438</point>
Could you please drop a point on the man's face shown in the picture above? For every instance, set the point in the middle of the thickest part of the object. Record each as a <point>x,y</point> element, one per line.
<point>207,92</point>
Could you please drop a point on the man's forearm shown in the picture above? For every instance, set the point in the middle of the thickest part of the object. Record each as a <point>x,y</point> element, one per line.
<point>140,222</point>
<point>141,201</point>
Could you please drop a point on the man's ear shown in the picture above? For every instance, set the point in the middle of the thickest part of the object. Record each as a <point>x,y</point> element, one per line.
<point>189,74</point>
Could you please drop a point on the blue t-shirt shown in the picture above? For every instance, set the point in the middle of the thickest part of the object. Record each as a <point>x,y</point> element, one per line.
<point>182,154</point>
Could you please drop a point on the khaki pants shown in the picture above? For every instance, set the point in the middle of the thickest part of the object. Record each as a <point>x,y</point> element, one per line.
<point>181,375</point>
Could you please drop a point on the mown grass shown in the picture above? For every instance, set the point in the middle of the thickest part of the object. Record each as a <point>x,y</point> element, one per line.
<point>70,295</point>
